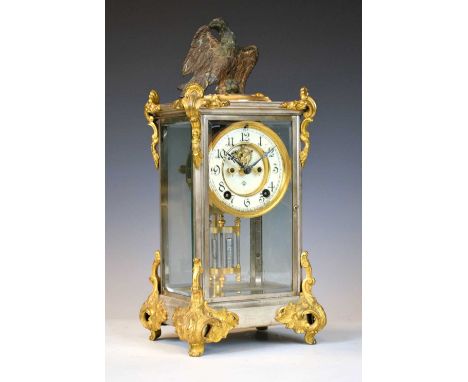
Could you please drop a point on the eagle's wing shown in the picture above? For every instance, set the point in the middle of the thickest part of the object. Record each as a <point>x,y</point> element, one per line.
<point>246,59</point>
<point>200,56</point>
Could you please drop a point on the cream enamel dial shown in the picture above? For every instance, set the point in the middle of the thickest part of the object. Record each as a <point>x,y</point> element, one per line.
<point>249,169</point>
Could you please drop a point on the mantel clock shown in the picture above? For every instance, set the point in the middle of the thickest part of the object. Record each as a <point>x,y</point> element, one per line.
<point>231,251</point>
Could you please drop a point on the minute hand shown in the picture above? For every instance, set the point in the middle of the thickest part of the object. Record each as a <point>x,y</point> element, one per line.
<point>259,159</point>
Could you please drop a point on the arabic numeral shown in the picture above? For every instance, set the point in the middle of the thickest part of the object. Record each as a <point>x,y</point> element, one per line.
<point>220,154</point>
<point>271,152</point>
<point>260,141</point>
<point>230,141</point>
<point>221,187</point>
<point>215,170</point>
<point>245,134</point>
<point>261,199</point>
<point>247,202</point>
<point>271,186</point>
<point>275,168</point>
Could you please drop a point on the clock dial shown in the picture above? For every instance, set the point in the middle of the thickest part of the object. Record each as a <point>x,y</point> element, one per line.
<point>249,169</point>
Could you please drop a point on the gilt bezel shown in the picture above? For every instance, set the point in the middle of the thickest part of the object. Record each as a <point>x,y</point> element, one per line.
<point>213,198</point>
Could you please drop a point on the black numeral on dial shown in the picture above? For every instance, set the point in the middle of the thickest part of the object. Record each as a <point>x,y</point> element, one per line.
<point>220,154</point>
<point>215,170</point>
<point>245,134</point>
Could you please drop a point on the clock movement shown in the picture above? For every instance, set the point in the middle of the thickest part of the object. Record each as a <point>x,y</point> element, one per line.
<point>230,167</point>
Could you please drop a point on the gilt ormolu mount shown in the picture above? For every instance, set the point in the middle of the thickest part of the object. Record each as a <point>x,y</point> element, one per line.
<point>235,212</point>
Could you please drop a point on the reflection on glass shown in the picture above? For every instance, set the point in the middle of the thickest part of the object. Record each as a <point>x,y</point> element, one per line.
<point>176,206</point>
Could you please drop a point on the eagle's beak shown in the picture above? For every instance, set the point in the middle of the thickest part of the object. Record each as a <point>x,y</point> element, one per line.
<point>217,23</point>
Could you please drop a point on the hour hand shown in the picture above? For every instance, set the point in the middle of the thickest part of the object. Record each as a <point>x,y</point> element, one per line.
<point>233,158</point>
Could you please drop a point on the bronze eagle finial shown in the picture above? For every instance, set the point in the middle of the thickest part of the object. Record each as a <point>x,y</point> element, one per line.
<point>219,61</point>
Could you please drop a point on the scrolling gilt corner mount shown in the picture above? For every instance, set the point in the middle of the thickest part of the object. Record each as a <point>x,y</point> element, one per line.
<point>307,315</point>
<point>308,107</point>
<point>153,312</point>
<point>192,100</point>
<point>197,323</point>
<point>152,109</point>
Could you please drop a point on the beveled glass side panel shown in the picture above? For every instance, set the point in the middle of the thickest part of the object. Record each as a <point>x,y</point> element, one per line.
<point>176,206</point>
<point>250,255</point>
<point>277,227</point>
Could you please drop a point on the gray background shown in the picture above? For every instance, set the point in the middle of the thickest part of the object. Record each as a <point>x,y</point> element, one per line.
<point>312,43</point>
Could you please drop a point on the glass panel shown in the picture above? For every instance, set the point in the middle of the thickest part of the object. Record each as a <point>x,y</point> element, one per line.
<point>278,225</point>
<point>176,206</point>
<point>251,220</point>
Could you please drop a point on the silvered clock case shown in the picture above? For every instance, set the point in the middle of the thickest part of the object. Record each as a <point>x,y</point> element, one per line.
<point>187,219</point>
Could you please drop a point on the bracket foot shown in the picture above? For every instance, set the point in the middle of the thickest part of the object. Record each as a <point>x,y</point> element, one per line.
<point>152,312</point>
<point>307,315</point>
<point>199,324</point>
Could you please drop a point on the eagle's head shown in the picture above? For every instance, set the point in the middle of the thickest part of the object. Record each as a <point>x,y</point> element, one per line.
<point>218,24</point>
